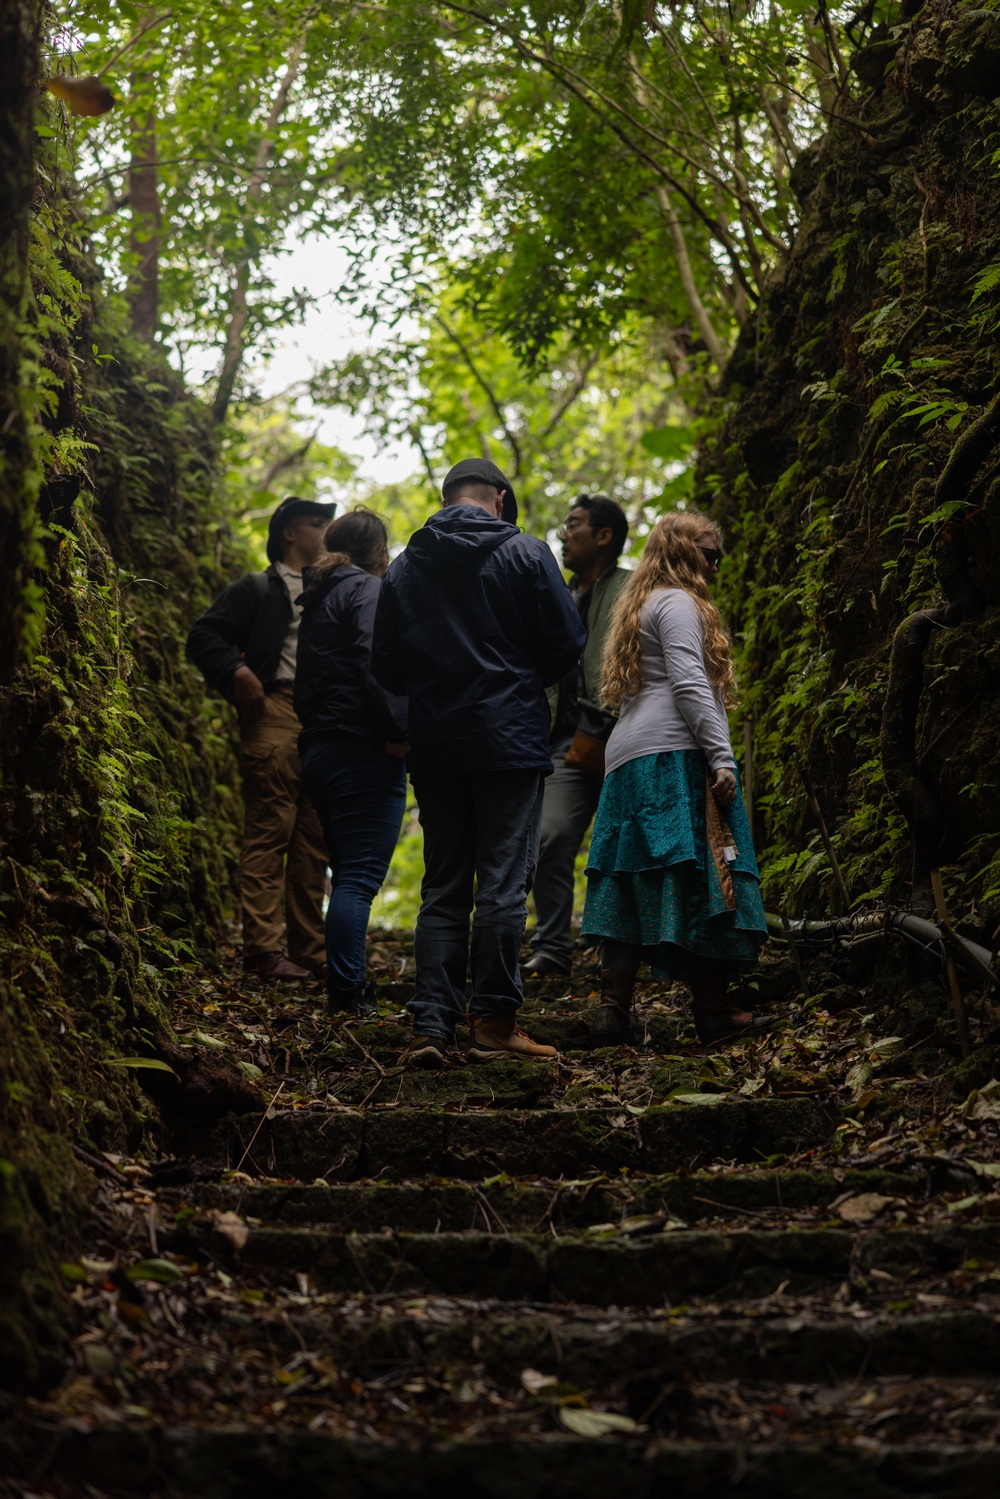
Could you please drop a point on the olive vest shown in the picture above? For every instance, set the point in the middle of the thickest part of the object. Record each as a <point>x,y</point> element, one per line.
<point>603,596</point>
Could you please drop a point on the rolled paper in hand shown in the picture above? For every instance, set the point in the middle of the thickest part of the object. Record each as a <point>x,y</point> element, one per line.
<point>721,844</point>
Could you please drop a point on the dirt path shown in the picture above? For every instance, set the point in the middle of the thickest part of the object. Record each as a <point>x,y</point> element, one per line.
<point>771,1271</point>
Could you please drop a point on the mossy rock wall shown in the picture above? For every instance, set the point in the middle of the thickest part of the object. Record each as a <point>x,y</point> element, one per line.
<point>119,801</point>
<point>875,348</point>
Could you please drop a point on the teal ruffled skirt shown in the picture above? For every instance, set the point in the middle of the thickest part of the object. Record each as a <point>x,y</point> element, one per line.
<point>651,878</point>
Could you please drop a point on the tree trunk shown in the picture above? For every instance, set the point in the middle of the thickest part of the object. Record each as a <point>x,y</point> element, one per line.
<point>699,312</point>
<point>239,310</point>
<point>146,221</point>
<point>19,34</point>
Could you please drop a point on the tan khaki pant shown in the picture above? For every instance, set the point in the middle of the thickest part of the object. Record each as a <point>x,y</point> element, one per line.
<point>283,841</point>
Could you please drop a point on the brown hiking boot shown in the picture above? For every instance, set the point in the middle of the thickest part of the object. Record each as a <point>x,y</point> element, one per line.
<point>274,965</point>
<point>491,1039</point>
<point>423,1051</point>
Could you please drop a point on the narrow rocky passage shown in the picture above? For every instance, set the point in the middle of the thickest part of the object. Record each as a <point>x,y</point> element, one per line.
<point>773,1270</point>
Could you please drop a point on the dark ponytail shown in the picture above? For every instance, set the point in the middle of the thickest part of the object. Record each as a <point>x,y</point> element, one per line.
<point>358,538</point>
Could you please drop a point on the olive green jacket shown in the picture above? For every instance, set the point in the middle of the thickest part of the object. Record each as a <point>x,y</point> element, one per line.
<point>606,590</point>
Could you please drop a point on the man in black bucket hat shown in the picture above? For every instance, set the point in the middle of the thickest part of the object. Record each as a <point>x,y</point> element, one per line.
<point>245,647</point>
<point>474,620</point>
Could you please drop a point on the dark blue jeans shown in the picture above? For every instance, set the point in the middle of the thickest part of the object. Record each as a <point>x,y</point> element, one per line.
<point>360,794</point>
<point>480,848</point>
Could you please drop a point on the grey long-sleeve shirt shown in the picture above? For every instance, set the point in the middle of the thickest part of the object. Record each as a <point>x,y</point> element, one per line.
<point>676,707</point>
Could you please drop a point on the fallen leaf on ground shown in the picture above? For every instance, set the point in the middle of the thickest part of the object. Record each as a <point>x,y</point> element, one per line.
<point>204,1039</point>
<point>160,1270</point>
<point>596,1423</point>
<point>230,1226</point>
<point>99,1360</point>
<point>148,1064</point>
<point>862,1207</point>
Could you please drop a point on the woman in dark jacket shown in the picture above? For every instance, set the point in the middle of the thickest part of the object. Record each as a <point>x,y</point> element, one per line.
<point>353,742</point>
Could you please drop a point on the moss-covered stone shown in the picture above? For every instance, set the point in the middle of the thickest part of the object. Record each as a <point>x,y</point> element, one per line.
<point>119,809</point>
<point>873,353</point>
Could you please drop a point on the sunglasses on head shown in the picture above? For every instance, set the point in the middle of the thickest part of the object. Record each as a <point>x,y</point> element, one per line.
<point>714,555</point>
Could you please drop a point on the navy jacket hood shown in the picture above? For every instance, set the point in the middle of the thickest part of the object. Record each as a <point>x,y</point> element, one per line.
<point>459,536</point>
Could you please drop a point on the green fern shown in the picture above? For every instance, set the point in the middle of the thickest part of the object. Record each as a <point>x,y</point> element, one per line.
<point>985,282</point>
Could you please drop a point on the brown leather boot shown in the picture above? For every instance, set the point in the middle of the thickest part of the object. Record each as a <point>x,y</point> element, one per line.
<point>275,966</point>
<point>611,1024</point>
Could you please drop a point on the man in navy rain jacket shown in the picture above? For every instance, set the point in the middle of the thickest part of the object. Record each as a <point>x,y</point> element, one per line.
<point>474,621</point>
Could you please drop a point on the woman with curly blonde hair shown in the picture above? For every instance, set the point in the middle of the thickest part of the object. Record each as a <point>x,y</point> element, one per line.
<point>672,879</point>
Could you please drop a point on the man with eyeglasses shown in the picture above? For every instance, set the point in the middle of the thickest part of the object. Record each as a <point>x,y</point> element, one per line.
<point>593,537</point>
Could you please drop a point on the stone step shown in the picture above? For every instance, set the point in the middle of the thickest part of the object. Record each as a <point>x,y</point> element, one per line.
<point>622,1354</point>
<point>502,1085</point>
<point>344,1145</point>
<point>565,1025</point>
<point>597,1081</point>
<point>430,1206</point>
<point>671,1268</point>
<point>653,1037</point>
<point>240,1462</point>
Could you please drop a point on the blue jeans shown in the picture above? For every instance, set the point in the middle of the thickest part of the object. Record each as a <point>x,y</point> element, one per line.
<point>480,847</point>
<point>360,794</point>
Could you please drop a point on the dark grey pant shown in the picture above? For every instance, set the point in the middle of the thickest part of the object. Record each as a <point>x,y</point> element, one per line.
<point>480,846</point>
<point>570,801</point>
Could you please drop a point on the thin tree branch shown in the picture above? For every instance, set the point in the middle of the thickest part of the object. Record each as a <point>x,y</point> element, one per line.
<point>144,30</point>
<point>833,50</point>
<point>580,92</point>
<point>579,381</point>
<point>781,131</point>
<point>680,365</point>
<point>660,140</point>
<point>485,387</point>
<point>283,464</point>
<point>739,186</point>
<point>232,355</point>
<point>418,443</point>
<point>699,312</point>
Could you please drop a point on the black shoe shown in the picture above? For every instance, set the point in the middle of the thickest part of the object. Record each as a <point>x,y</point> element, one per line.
<point>360,1000</point>
<point>544,966</point>
<point>610,1025</point>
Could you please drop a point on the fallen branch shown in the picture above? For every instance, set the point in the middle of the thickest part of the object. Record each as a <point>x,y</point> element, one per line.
<point>103,1168</point>
<point>260,1126</point>
<point>961,1019</point>
<point>918,929</point>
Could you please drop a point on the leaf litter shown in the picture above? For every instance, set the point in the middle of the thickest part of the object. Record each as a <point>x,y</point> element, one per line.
<point>158,1332</point>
